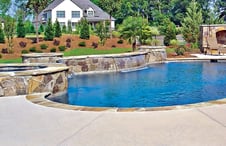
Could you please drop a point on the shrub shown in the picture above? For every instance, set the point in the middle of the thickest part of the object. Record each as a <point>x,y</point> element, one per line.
<point>0,55</point>
<point>68,45</point>
<point>82,44</point>
<point>174,42</point>
<point>53,50</point>
<point>170,32</point>
<point>68,40</point>
<point>120,41</point>
<point>24,52</point>
<point>148,42</point>
<point>22,44</point>
<point>113,46</point>
<point>95,45</point>
<point>180,50</point>
<point>155,42</point>
<point>43,46</point>
<point>56,42</point>
<point>32,49</point>
<point>5,50</point>
<point>62,48</point>
<point>116,34</point>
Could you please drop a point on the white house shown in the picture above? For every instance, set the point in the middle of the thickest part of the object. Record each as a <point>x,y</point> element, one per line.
<point>72,11</point>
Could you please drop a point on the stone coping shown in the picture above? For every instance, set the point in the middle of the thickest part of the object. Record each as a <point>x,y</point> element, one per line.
<point>37,55</point>
<point>151,47</point>
<point>106,55</point>
<point>40,99</point>
<point>45,69</point>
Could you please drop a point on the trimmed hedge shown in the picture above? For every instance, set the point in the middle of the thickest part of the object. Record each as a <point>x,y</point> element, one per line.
<point>82,44</point>
<point>62,48</point>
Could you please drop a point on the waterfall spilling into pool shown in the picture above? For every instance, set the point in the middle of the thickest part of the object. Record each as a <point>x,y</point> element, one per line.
<point>166,84</point>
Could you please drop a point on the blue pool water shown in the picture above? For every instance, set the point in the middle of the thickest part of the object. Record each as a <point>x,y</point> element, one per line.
<point>174,83</point>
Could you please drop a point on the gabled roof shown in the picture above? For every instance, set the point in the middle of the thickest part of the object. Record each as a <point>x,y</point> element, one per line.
<point>83,4</point>
<point>53,5</point>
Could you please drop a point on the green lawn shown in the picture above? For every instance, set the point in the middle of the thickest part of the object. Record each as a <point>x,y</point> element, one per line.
<point>16,60</point>
<point>78,52</point>
<point>91,51</point>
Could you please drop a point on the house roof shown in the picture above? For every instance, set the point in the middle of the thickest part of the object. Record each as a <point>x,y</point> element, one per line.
<point>99,14</point>
<point>53,5</point>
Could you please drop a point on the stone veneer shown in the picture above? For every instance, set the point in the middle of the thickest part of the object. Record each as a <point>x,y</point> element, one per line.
<point>50,79</point>
<point>41,57</point>
<point>113,62</point>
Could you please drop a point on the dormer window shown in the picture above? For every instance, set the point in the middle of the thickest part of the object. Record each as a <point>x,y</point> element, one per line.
<point>90,13</point>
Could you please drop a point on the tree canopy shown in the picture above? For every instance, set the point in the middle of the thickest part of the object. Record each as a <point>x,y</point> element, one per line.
<point>156,10</point>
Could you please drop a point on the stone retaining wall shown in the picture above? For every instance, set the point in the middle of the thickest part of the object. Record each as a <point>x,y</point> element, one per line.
<point>113,62</point>
<point>50,79</point>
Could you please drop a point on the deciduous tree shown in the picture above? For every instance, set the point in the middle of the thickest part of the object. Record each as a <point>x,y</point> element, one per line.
<point>4,6</point>
<point>36,6</point>
<point>9,29</point>
<point>110,6</point>
<point>102,31</point>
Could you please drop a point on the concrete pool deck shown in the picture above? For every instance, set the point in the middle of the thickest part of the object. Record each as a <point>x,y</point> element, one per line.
<point>24,123</point>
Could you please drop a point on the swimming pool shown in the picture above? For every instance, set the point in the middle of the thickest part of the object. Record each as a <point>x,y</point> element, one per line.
<point>167,84</point>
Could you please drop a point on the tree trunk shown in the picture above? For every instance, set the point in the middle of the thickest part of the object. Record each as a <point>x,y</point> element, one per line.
<point>36,27</point>
<point>110,29</point>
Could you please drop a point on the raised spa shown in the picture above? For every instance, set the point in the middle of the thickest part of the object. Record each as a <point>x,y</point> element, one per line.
<point>167,84</point>
<point>20,68</point>
<point>23,79</point>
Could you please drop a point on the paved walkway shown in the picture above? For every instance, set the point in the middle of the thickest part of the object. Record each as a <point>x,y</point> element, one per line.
<point>202,56</point>
<point>23,123</point>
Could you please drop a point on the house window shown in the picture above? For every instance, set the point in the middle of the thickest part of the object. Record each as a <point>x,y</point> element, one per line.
<point>44,17</point>
<point>90,13</point>
<point>60,14</point>
<point>75,14</point>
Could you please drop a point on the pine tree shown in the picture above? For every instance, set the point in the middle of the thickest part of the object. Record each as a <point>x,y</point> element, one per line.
<point>191,23</point>
<point>32,28</point>
<point>41,28</point>
<point>64,29</point>
<point>84,32</point>
<point>69,28</point>
<point>49,31</point>
<point>57,29</point>
<point>20,28</point>
<point>2,36</point>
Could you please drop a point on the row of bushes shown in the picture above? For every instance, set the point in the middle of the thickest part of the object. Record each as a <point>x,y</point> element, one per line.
<point>34,50</point>
<point>57,43</point>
